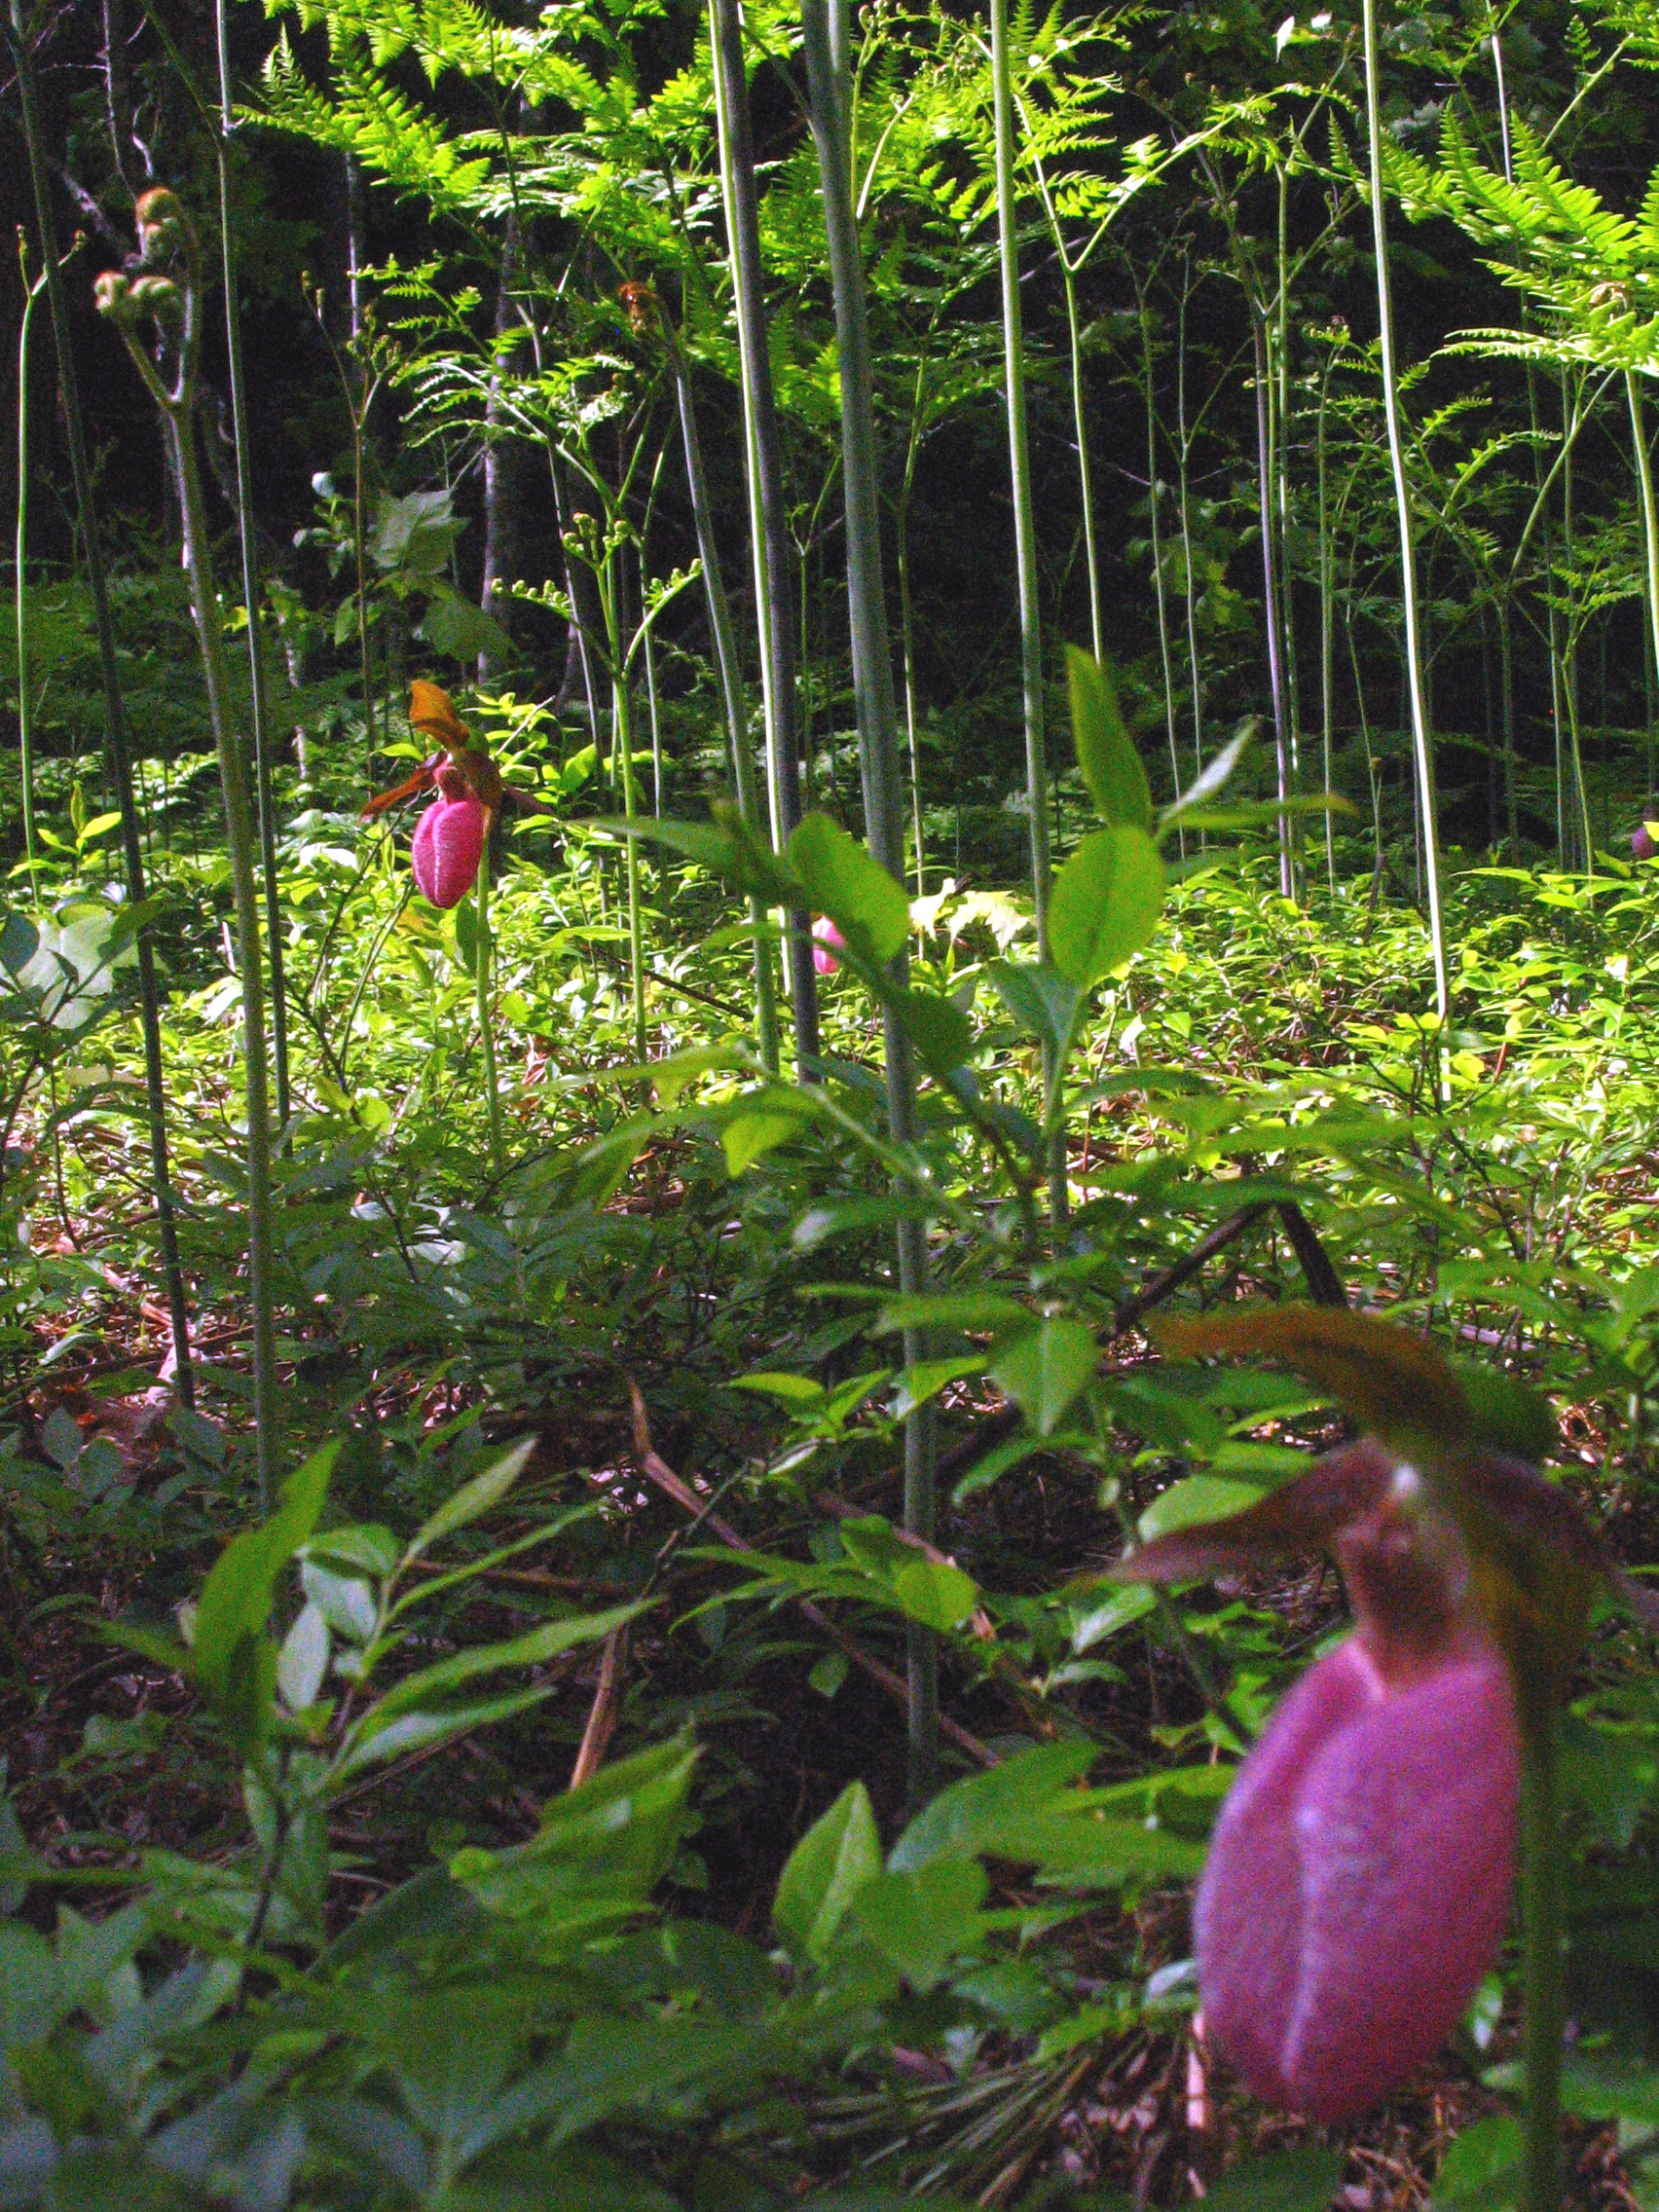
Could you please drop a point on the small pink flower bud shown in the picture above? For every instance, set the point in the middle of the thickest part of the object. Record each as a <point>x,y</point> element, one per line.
<point>827,942</point>
<point>1358,1881</point>
<point>449,840</point>
<point>1642,842</point>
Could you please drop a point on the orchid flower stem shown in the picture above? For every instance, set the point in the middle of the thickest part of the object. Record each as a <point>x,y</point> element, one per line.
<point>26,719</point>
<point>18,35</point>
<point>481,969</point>
<point>1541,1949</point>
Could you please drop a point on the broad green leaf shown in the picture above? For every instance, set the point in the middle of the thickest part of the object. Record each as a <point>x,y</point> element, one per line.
<point>1198,1499</point>
<point>234,1604</point>
<point>722,846</point>
<point>1013,1451</point>
<point>787,1389</point>
<point>1105,751</point>
<point>1481,2172</point>
<point>367,1545</point>
<point>474,1498</point>
<point>1044,1371</point>
<point>920,1921</point>
<point>1038,997</point>
<point>924,1379</point>
<point>1105,904</point>
<point>939,1030</point>
<point>601,1851</point>
<point>825,1870</point>
<point>1291,2181</point>
<point>347,1603</point>
<point>990,1311</point>
<point>991,1812</point>
<point>374,1739</point>
<point>748,1136</point>
<point>303,1661</point>
<point>936,1594</point>
<point>1093,1624</point>
<point>532,1650</point>
<point>845,880</point>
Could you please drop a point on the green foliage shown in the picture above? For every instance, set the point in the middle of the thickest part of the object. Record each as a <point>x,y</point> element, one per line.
<point>594,1421</point>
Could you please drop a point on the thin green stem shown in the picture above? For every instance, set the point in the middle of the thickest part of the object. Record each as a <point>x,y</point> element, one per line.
<point>115,717</point>
<point>1402,501</point>
<point>1542,1926</point>
<point>769,509</point>
<point>1157,547</point>
<point>482,965</point>
<point>249,547</point>
<point>823,28</point>
<point>25,705</point>
<point>731,690</point>
<point>1024,545</point>
<point>1327,618</point>
<point>624,712</point>
<point>1649,509</point>
<point>239,827</point>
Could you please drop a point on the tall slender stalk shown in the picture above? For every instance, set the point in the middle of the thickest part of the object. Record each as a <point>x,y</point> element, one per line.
<point>775,566</point>
<point>906,610</point>
<point>250,577</point>
<point>612,583</point>
<point>1327,615</point>
<point>482,964</point>
<point>1643,460</point>
<point>174,299</point>
<point>1542,1927</point>
<point>1278,400</point>
<point>18,38</point>
<point>25,705</point>
<point>1158,591</point>
<point>731,687</point>
<point>1085,483</point>
<point>824,39</point>
<point>1024,552</point>
<point>1570,656</point>
<point>1373,774</point>
<point>1269,591</point>
<point>1186,450</point>
<point>1402,501</point>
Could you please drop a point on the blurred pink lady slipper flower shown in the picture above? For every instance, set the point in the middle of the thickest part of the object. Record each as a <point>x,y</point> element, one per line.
<point>449,841</point>
<point>827,942</point>
<point>1358,1879</point>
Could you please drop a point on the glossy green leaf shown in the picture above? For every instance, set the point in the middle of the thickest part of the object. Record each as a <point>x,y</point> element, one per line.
<point>825,1870</point>
<point>1105,904</point>
<point>1038,997</point>
<point>920,1921</point>
<point>474,1498</point>
<point>1105,751</point>
<point>938,1595</point>
<point>1200,1499</point>
<point>845,880</point>
<point>230,1652</point>
<point>1044,1369</point>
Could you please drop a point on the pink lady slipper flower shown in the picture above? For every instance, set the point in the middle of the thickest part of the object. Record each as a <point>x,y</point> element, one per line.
<point>1359,1876</point>
<point>827,942</point>
<point>449,841</point>
<point>1358,1879</point>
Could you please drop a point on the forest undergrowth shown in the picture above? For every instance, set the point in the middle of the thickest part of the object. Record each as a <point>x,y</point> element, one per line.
<point>828,1068</point>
